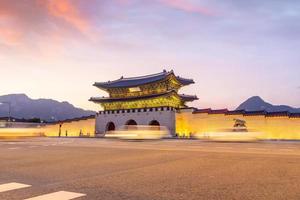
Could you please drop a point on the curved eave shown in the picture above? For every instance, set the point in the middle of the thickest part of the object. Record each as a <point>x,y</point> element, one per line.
<point>184,98</point>
<point>184,81</point>
<point>100,86</point>
<point>142,80</point>
<point>107,99</point>
<point>134,81</point>
<point>188,98</point>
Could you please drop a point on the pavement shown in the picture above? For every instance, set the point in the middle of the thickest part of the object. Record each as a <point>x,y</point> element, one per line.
<point>107,169</point>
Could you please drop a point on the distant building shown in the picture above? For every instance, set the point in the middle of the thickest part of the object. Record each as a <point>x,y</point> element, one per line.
<point>144,100</point>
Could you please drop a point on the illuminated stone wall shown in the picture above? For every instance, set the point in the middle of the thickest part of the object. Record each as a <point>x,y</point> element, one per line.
<point>164,115</point>
<point>73,128</point>
<point>269,127</point>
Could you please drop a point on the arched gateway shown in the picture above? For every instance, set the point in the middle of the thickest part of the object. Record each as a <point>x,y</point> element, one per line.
<point>110,126</point>
<point>154,123</point>
<point>131,122</point>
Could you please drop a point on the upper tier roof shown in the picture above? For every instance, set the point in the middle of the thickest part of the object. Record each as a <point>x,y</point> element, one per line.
<point>141,80</point>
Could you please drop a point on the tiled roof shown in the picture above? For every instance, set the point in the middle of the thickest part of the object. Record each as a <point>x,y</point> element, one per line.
<point>277,114</point>
<point>73,119</point>
<point>295,115</point>
<point>210,111</point>
<point>207,110</point>
<point>235,112</point>
<point>141,80</point>
<point>220,111</point>
<point>254,113</point>
<point>108,99</point>
<point>13,119</point>
<point>247,113</point>
<point>185,97</point>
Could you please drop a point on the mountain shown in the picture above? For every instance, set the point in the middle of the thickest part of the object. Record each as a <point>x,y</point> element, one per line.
<point>256,104</point>
<point>46,109</point>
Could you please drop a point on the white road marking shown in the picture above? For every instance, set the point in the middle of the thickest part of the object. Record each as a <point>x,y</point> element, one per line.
<point>13,148</point>
<point>61,195</point>
<point>291,147</point>
<point>195,146</point>
<point>12,186</point>
<point>32,146</point>
<point>224,147</point>
<point>259,149</point>
<point>285,149</point>
<point>65,142</point>
<point>11,143</point>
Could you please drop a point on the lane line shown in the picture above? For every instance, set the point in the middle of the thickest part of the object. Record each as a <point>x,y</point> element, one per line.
<point>12,186</point>
<point>223,147</point>
<point>61,195</point>
<point>195,147</point>
<point>259,149</point>
<point>13,148</point>
<point>286,150</point>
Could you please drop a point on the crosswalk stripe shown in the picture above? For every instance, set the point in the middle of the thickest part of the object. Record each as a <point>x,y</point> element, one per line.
<point>61,195</point>
<point>12,186</point>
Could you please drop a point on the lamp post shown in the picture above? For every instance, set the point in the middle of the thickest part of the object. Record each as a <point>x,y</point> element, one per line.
<point>9,109</point>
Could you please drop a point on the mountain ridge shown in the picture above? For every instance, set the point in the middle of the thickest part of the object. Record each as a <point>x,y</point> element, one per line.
<point>256,103</point>
<point>23,106</point>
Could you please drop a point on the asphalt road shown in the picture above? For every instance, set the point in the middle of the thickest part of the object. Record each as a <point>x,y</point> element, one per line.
<point>167,169</point>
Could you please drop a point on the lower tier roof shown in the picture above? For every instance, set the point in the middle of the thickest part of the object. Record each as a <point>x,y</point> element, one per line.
<point>183,97</point>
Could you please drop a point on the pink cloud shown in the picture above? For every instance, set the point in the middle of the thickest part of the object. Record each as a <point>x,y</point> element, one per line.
<point>9,36</point>
<point>187,6</point>
<point>67,11</point>
<point>20,22</point>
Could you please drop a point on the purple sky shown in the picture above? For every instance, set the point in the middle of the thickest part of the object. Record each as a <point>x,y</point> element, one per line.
<point>232,49</point>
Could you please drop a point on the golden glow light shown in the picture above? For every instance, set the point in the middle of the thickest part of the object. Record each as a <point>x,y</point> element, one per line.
<point>135,89</point>
<point>281,128</point>
<point>169,101</point>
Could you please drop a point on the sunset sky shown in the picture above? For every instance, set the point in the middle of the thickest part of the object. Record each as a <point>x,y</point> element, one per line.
<point>233,49</point>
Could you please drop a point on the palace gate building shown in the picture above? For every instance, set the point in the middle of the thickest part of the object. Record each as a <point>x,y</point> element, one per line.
<point>155,100</point>
<point>144,100</point>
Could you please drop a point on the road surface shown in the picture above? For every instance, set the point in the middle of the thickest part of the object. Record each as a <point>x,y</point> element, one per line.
<point>83,168</point>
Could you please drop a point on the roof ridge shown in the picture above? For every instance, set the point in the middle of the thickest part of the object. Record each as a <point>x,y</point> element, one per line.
<point>147,76</point>
<point>142,80</point>
<point>187,95</point>
<point>138,77</point>
<point>184,78</point>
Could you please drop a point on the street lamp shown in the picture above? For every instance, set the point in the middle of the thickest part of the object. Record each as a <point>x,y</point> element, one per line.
<point>9,109</point>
